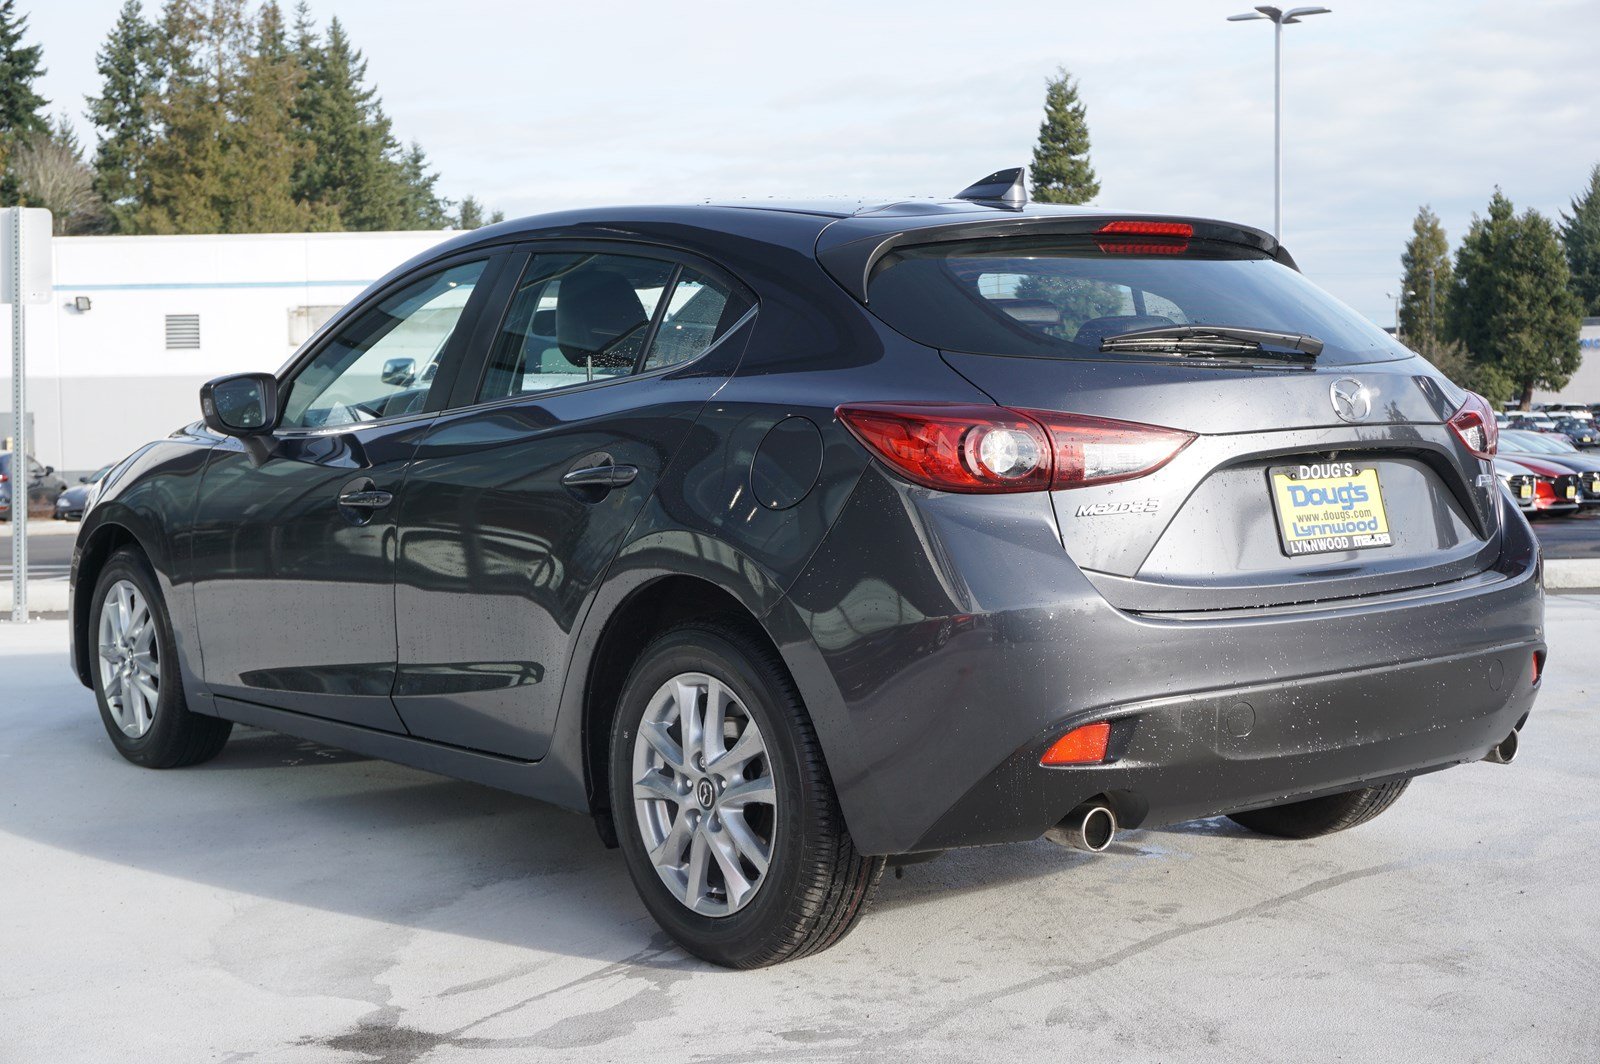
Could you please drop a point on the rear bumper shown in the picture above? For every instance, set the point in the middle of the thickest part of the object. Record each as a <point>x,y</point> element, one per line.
<point>952,641</point>
<point>1244,747</point>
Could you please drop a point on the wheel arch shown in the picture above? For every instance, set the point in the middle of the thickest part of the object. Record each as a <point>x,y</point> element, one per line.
<point>93,551</point>
<point>652,606</point>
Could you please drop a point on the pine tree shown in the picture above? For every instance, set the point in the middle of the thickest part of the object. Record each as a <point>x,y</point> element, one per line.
<point>121,113</point>
<point>1424,283</point>
<point>199,53</point>
<point>352,166</point>
<point>1061,172</point>
<point>261,144</point>
<point>21,108</point>
<point>1580,235</point>
<point>421,207</point>
<point>1511,306</point>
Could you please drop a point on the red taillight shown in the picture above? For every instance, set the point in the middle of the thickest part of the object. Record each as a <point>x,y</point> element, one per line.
<point>954,447</point>
<point>988,449</point>
<point>1538,666</point>
<point>1138,228</point>
<point>1097,450</point>
<point>1080,746</point>
<point>1474,424</point>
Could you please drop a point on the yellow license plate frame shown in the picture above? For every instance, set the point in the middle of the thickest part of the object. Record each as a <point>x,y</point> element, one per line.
<point>1329,508</point>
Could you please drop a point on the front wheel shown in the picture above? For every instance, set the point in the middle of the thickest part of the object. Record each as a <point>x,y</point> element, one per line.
<point>136,676</point>
<point>1322,816</point>
<point>724,810</point>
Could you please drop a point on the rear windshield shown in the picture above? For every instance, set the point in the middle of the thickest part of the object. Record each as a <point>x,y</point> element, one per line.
<point>1059,297</point>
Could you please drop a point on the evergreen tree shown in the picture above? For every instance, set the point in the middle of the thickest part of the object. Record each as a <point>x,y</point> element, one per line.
<point>470,215</point>
<point>261,144</point>
<point>1061,172</point>
<point>122,115</point>
<point>421,207</point>
<point>1511,306</point>
<point>1424,283</point>
<point>352,166</point>
<point>1580,235</point>
<point>199,54</point>
<point>21,108</point>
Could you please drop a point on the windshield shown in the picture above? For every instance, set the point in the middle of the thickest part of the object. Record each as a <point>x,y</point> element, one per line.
<point>1057,297</point>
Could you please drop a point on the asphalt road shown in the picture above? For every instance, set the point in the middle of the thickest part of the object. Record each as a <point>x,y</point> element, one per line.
<point>290,902</point>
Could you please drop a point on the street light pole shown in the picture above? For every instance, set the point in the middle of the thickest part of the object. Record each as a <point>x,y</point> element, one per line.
<point>1280,19</point>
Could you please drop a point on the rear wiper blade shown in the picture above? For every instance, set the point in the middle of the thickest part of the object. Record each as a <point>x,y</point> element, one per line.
<point>1216,341</point>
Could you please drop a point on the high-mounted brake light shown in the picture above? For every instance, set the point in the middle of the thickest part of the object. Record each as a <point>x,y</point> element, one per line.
<point>1080,746</point>
<point>1474,424</point>
<point>1138,228</point>
<point>1172,238</point>
<point>989,449</point>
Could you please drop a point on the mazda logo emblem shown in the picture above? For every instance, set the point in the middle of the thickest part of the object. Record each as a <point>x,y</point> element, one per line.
<point>705,792</point>
<point>1351,400</point>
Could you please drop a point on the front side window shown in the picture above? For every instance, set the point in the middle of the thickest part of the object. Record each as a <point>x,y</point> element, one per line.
<point>383,362</point>
<point>579,317</point>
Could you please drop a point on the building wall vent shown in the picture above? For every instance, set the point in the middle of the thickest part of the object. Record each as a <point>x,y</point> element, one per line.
<point>183,331</point>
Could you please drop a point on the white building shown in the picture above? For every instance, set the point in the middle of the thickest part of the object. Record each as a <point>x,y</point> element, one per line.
<point>1584,387</point>
<point>162,315</point>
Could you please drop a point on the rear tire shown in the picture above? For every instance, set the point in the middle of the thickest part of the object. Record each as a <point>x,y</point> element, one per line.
<point>133,656</point>
<point>814,886</point>
<point>1322,816</point>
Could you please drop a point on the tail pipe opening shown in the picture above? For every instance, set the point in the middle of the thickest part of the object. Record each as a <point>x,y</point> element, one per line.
<point>1090,827</point>
<point>1503,752</point>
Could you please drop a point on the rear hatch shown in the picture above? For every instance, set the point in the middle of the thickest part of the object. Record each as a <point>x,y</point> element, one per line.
<point>1309,478</point>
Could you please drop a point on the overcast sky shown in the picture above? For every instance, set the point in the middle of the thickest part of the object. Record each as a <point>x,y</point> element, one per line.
<point>1388,104</point>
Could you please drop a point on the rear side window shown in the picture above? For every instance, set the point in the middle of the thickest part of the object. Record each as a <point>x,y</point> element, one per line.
<point>579,317</point>
<point>1060,297</point>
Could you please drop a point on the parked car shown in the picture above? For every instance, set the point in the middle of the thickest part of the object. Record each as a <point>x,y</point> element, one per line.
<point>43,486</point>
<point>1580,431</point>
<point>786,540</point>
<point>1556,451</point>
<point>1520,482</point>
<point>71,502</point>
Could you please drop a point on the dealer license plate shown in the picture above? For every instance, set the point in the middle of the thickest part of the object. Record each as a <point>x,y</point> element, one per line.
<point>1323,507</point>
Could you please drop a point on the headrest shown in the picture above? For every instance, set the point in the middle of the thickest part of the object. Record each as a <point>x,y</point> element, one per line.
<point>594,309</point>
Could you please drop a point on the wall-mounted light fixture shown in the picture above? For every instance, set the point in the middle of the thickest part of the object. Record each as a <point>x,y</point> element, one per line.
<point>81,304</point>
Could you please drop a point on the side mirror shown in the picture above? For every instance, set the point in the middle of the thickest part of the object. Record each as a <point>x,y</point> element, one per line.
<point>399,371</point>
<point>244,405</point>
<point>49,469</point>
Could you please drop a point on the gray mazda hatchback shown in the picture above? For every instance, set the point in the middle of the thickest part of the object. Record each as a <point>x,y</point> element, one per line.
<point>788,540</point>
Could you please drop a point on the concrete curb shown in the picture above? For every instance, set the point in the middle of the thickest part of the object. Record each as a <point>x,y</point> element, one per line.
<point>44,596</point>
<point>1572,574</point>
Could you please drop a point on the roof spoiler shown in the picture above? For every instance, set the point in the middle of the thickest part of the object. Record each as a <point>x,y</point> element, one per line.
<point>1003,188</point>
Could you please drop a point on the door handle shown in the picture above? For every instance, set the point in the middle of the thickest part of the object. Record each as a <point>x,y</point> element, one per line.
<point>605,477</point>
<point>367,499</point>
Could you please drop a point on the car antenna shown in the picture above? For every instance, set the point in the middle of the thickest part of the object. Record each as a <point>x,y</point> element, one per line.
<point>1003,188</point>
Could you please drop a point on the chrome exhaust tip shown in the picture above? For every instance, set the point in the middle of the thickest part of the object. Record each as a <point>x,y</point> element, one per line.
<point>1503,752</point>
<point>1090,827</point>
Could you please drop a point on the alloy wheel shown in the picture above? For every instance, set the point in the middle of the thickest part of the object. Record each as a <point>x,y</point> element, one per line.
<point>704,799</point>
<point>130,658</point>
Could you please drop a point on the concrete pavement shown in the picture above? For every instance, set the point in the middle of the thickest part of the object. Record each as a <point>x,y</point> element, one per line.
<point>290,902</point>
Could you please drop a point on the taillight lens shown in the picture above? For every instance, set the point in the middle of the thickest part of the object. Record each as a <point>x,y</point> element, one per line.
<point>1475,425</point>
<point>991,449</point>
<point>1097,450</point>
<point>954,447</point>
